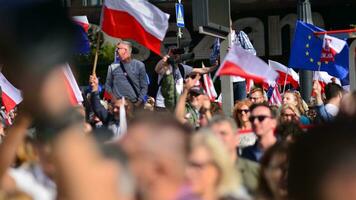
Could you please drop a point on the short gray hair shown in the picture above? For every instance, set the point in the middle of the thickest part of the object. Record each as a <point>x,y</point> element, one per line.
<point>129,44</point>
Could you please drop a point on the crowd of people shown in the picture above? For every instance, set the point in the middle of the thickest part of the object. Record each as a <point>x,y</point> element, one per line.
<point>178,145</point>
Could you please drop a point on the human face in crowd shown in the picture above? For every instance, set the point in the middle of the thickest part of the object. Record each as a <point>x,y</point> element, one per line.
<point>123,51</point>
<point>243,113</point>
<point>116,108</point>
<point>256,97</point>
<point>202,173</point>
<point>288,115</point>
<point>262,121</point>
<point>197,101</point>
<point>289,98</point>
<point>275,174</point>
<point>224,131</point>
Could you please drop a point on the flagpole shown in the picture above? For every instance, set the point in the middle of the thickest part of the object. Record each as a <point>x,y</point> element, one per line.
<point>96,53</point>
<point>98,40</point>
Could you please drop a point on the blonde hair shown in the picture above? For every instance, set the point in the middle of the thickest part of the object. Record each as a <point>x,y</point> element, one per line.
<point>229,178</point>
<point>301,105</point>
<point>291,107</point>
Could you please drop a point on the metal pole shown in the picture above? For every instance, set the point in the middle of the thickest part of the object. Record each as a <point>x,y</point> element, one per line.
<point>180,33</point>
<point>306,76</point>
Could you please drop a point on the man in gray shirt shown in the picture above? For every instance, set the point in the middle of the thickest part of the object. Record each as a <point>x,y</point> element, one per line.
<point>128,80</point>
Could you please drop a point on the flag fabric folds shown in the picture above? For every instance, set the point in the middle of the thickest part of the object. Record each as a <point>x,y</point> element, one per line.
<point>306,53</point>
<point>275,95</point>
<point>11,96</point>
<point>82,44</point>
<point>75,95</point>
<point>208,86</point>
<point>286,74</point>
<point>239,62</point>
<point>138,20</point>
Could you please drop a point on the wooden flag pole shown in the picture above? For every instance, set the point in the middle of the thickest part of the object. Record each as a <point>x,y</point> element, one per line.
<point>96,54</point>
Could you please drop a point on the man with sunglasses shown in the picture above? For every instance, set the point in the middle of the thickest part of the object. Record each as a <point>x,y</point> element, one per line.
<point>264,122</point>
<point>127,78</point>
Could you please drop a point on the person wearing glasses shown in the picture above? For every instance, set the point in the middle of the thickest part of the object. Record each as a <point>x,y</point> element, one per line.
<point>241,114</point>
<point>257,95</point>
<point>264,122</point>
<point>127,78</point>
<point>210,171</point>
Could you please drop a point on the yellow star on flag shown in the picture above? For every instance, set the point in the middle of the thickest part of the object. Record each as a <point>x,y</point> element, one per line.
<point>307,53</point>
<point>319,63</point>
<point>309,37</point>
<point>307,46</point>
<point>311,60</point>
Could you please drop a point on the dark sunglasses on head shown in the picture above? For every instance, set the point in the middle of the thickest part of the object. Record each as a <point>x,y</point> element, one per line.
<point>260,118</point>
<point>240,111</point>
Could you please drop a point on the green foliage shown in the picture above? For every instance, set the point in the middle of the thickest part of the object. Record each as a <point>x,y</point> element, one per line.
<point>84,63</point>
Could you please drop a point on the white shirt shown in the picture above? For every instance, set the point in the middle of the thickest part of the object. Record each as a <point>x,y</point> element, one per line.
<point>31,180</point>
<point>331,109</point>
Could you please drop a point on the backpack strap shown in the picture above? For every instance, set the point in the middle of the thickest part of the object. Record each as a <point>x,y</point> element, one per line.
<point>181,70</point>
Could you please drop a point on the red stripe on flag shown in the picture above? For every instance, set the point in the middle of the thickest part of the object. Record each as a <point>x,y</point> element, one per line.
<point>290,80</point>
<point>231,68</point>
<point>121,24</point>
<point>8,102</point>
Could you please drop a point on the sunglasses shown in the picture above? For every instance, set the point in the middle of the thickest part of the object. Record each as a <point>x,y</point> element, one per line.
<point>260,118</point>
<point>240,111</point>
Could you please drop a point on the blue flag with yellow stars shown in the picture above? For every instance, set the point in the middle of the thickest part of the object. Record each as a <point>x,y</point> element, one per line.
<point>306,53</point>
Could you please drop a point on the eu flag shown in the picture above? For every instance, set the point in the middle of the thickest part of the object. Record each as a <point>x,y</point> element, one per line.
<point>306,53</point>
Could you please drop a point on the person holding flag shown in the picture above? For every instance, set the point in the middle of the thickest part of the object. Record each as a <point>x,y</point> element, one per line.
<point>128,77</point>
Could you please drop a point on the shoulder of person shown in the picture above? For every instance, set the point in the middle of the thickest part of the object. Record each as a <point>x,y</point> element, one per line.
<point>140,63</point>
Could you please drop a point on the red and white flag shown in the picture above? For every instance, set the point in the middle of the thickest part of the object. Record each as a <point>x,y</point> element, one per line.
<point>11,96</point>
<point>75,95</point>
<point>239,62</point>
<point>276,98</point>
<point>331,47</point>
<point>209,86</point>
<point>82,21</point>
<point>286,75</point>
<point>138,20</point>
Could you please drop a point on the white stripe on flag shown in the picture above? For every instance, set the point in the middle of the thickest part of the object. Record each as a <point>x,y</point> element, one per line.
<point>73,83</point>
<point>10,90</point>
<point>149,16</point>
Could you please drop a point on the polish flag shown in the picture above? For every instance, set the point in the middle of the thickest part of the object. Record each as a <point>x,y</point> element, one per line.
<point>209,86</point>
<point>324,78</point>
<point>138,20</point>
<point>82,21</point>
<point>239,62</point>
<point>286,75</point>
<point>11,96</point>
<point>331,47</point>
<point>75,95</point>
